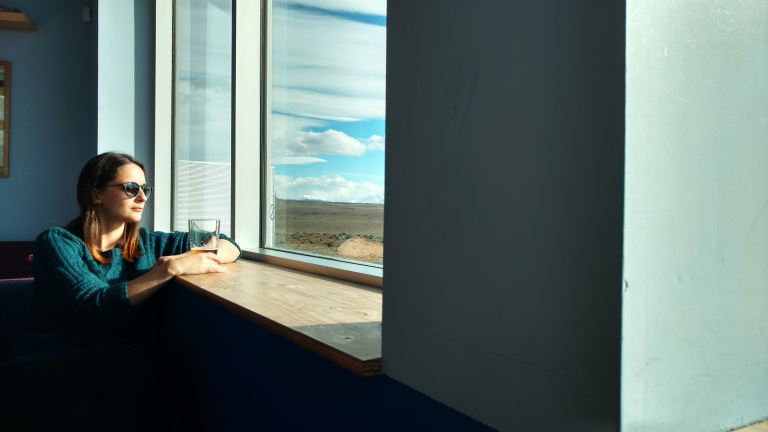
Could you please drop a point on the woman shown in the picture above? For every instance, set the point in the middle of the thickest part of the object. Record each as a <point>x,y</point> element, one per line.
<point>91,279</point>
<point>101,265</point>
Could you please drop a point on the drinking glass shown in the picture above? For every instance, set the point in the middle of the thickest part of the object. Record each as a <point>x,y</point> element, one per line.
<point>204,235</point>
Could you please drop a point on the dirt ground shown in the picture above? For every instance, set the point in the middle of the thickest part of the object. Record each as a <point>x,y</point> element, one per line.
<point>341,230</point>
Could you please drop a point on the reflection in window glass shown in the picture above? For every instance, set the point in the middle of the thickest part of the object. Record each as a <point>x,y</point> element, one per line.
<point>202,120</point>
<point>325,148</point>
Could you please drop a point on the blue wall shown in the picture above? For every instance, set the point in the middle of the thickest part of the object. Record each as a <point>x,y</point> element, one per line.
<point>53,115</point>
<point>527,345</point>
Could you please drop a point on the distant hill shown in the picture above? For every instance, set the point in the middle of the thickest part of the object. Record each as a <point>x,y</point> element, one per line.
<point>316,200</point>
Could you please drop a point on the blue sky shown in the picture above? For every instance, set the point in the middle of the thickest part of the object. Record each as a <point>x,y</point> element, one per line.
<point>327,94</point>
<point>328,86</point>
<point>369,166</point>
<point>363,17</point>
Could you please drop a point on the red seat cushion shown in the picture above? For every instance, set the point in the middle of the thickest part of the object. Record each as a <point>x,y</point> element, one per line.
<point>16,259</point>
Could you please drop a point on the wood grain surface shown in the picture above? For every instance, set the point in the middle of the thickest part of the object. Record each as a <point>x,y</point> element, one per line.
<point>759,427</point>
<point>340,321</point>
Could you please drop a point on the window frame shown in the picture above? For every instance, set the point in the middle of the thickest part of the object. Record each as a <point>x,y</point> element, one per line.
<point>248,19</point>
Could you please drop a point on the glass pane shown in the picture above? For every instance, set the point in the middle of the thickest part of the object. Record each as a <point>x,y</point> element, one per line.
<point>325,146</point>
<point>202,120</point>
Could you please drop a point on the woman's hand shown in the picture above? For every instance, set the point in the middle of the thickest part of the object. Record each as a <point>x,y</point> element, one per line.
<point>167,267</point>
<point>189,263</point>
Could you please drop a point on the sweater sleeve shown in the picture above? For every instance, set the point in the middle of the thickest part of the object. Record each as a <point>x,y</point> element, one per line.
<point>168,243</point>
<point>59,264</point>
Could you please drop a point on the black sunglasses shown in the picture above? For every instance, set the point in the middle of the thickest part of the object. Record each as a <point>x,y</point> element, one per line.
<point>131,189</point>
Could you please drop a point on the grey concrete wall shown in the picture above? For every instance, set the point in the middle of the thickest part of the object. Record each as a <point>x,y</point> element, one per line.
<point>504,201</point>
<point>695,352</point>
<point>53,116</point>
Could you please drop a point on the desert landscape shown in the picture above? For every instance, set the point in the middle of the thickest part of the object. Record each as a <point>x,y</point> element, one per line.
<point>349,231</point>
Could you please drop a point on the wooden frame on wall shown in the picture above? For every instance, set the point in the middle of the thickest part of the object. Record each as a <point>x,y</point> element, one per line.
<point>5,115</point>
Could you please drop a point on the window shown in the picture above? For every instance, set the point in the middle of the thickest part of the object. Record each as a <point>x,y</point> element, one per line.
<point>202,112</point>
<point>325,128</point>
<point>308,88</point>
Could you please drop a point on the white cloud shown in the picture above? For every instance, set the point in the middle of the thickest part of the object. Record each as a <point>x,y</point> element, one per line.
<point>327,142</point>
<point>282,122</point>
<point>289,139</point>
<point>296,160</point>
<point>327,67</point>
<point>375,142</point>
<point>324,68</point>
<point>370,7</point>
<point>325,106</point>
<point>203,88</point>
<point>202,122</point>
<point>204,49</point>
<point>286,130</point>
<point>333,188</point>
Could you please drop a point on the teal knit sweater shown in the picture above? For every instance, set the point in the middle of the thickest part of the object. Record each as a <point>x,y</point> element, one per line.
<point>73,289</point>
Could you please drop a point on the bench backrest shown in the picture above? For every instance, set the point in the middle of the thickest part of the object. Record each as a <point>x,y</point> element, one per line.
<point>16,259</point>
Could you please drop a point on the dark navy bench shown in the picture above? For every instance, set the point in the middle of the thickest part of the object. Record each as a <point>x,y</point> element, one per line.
<point>15,297</point>
<point>15,291</point>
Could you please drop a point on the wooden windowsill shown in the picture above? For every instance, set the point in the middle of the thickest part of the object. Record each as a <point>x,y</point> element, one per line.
<point>340,321</point>
<point>759,427</point>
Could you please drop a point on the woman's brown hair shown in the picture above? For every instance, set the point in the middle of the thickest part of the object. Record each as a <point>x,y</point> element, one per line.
<point>97,173</point>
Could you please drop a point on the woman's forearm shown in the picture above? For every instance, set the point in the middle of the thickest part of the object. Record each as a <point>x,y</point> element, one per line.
<point>145,285</point>
<point>167,267</point>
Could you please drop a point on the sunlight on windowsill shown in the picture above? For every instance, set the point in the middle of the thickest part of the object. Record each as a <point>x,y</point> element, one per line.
<point>338,320</point>
<point>759,427</point>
